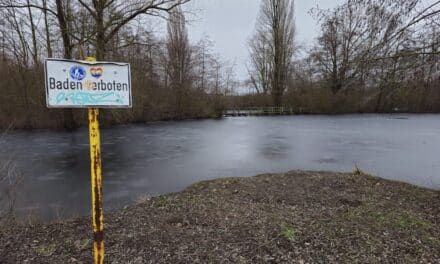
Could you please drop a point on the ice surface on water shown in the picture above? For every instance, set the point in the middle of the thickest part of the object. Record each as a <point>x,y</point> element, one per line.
<point>168,156</point>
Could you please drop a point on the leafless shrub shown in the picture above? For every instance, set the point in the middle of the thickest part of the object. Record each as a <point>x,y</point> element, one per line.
<point>10,179</point>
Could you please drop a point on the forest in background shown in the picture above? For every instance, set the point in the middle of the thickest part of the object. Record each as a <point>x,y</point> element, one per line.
<point>370,56</point>
<point>171,77</point>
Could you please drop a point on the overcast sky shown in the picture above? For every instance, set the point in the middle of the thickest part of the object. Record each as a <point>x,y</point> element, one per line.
<point>230,23</point>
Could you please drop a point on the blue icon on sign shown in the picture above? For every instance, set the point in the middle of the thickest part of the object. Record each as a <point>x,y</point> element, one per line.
<point>78,73</point>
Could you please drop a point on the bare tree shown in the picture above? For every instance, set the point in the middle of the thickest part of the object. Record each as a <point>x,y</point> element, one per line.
<point>260,68</point>
<point>33,30</point>
<point>47,30</point>
<point>202,59</point>
<point>10,180</point>
<point>353,34</point>
<point>110,16</point>
<point>168,80</point>
<point>374,43</point>
<point>179,58</point>
<point>273,47</point>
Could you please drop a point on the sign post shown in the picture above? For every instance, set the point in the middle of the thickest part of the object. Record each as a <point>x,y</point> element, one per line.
<point>93,85</point>
<point>96,183</point>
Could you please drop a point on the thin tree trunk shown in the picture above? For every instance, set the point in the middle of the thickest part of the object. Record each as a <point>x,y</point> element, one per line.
<point>33,34</point>
<point>47,31</point>
<point>69,120</point>
<point>100,31</point>
<point>62,20</point>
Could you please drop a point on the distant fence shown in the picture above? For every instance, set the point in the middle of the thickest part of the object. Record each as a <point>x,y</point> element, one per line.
<point>258,111</point>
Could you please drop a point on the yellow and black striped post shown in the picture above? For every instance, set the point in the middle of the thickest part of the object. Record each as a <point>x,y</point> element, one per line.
<point>96,181</point>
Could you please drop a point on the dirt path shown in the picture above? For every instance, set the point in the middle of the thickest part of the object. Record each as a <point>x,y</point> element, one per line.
<point>296,217</point>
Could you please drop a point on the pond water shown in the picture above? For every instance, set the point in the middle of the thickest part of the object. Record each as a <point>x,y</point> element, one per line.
<point>163,157</point>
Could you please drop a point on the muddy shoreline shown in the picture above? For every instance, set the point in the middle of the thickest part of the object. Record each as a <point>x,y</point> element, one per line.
<point>294,217</point>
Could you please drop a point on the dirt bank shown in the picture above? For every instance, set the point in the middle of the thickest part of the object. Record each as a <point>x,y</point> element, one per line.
<point>296,217</point>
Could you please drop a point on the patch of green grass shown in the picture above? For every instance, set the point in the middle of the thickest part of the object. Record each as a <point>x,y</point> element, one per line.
<point>164,202</point>
<point>289,233</point>
<point>382,217</point>
<point>407,220</point>
<point>211,259</point>
<point>366,212</point>
<point>434,241</point>
<point>46,250</point>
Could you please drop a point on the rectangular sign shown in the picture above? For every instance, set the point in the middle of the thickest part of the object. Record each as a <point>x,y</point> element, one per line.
<point>83,84</point>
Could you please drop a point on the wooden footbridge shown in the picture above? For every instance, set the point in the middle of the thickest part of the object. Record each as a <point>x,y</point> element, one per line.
<point>258,111</point>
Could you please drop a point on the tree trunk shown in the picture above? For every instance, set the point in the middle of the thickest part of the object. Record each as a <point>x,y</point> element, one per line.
<point>62,20</point>
<point>33,34</point>
<point>100,31</point>
<point>69,120</point>
<point>47,31</point>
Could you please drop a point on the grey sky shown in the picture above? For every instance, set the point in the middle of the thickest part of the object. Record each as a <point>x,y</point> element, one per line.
<point>230,23</point>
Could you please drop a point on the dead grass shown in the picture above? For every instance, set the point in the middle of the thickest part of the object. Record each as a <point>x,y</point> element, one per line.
<point>10,179</point>
<point>296,217</point>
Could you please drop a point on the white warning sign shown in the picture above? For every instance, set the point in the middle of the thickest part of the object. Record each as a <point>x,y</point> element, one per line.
<point>83,84</point>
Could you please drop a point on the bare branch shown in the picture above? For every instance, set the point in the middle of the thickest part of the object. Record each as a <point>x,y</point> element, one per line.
<point>30,6</point>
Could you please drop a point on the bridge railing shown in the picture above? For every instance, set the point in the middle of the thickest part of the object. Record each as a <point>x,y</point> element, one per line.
<point>251,111</point>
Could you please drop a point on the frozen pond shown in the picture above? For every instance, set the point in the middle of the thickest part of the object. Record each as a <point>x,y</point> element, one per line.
<point>166,157</point>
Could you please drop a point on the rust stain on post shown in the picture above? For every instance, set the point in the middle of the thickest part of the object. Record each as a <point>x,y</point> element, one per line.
<point>96,181</point>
